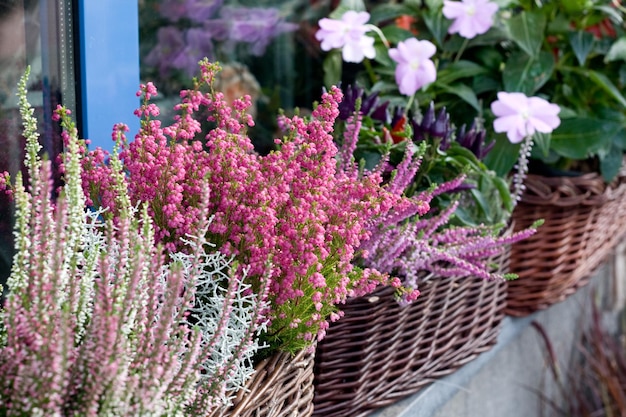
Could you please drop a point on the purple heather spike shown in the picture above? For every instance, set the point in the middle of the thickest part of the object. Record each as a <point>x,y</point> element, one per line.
<point>429,118</point>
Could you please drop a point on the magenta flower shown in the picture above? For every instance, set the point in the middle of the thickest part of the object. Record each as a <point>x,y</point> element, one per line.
<point>471,17</point>
<point>349,34</point>
<point>520,116</point>
<point>414,69</point>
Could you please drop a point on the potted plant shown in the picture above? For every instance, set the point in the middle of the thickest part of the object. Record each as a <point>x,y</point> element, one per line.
<point>474,52</point>
<point>98,321</point>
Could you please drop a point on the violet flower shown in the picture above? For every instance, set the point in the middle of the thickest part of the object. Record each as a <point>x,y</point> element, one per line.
<point>369,104</point>
<point>474,140</point>
<point>471,17</point>
<point>201,10</point>
<point>521,116</point>
<point>415,69</point>
<point>255,26</point>
<point>349,35</point>
<point>170,45</point>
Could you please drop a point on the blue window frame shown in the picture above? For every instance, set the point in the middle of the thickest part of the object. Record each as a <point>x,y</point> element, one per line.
<point>109,67</point>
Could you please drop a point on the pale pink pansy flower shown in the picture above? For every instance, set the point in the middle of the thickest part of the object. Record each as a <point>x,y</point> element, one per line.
<point>470,17</point>
<point>349,35</point>
<point>415,69</point>
<point>521,116</point>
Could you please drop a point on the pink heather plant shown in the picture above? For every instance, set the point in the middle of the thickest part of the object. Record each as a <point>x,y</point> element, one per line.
<point>402,241</point>
<point>97,322</point>
<point>292,212</point>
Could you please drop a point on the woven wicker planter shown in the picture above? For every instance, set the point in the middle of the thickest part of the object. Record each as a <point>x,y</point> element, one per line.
<point>380,352</point>
<point>281,387</point>
<point>584,220</point>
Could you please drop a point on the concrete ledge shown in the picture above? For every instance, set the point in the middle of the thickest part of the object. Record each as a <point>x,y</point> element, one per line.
<point>507,380</point>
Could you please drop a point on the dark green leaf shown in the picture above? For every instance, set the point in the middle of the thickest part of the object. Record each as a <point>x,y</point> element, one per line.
<point>527,75</point>
<point>619,140</point>
<point>332,68</point>
<point>617,51</point>
<point>382,56</point>
<point>580,138</point>
<point>542,143</point>
<point>503,156</point>
<point>385,12</point>
<point>345,5</point>
<point>462,91</point>
<point>527,31</point>
<point>505,192</point>
<point>458,70</point>
<point>607,85</point>
<point>483,204</point>
<point>582,43</point>
<point>437,26</point>
<point>394,34</point>
<point>610,163</point>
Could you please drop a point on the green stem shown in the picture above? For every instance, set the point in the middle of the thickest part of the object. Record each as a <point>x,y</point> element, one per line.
<point>463,46</point>
<point>409,104</point>
<point>370,71</point>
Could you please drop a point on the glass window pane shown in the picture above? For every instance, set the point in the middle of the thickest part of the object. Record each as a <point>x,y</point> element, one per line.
<point>37,33</point>
<point>267,49</point>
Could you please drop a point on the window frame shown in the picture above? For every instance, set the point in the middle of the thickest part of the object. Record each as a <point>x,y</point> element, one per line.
<point>108,35</point>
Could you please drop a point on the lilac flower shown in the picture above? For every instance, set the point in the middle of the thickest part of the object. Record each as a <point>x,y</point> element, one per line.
<point>349,34</point>
<point>521,116</point>
<point>199,44</point>
<point>169,47</point>
<point>252,25</point>
<point>471,17</point>
<point>414,69</point>
<point>200,10</point>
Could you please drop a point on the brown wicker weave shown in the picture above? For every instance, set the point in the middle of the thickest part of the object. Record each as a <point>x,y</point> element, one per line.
<point>282,386</point>
<point>584,220</point>
<point>380,352</point>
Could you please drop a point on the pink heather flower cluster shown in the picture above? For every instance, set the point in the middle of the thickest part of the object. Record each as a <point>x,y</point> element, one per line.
<point>292,212</point>
<point>97,321</point>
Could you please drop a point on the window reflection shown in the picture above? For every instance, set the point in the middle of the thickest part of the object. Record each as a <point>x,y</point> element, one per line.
<point>266,48</point>
<point>37,33</point>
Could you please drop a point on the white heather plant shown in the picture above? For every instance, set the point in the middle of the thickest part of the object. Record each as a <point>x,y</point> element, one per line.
<point>99,322</point>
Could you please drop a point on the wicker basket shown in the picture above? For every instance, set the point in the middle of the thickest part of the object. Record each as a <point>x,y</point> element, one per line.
<point>583,221</point>
<point>380,352</point>
<point>282,386</point>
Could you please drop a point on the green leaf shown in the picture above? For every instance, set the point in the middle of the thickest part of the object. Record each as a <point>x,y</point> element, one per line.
<point>437,26</point>
<point>581,137</point>
<point>542,143</point>
<point>527,30</point>
<point>345,5</point>
<point>610,163</point>
<point>462,91</point>
<point>582,43</point>
<point>527,75</point>
<point>617,51</point>
<point>607,85</point>
<point>332,68</point>
<point>386,12</point>
<point>394,34</point>
<point>503,156</point>
<point>382,56</point>
<point>619,140</point>
<point>505,192</point>
<point>460,69</point>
